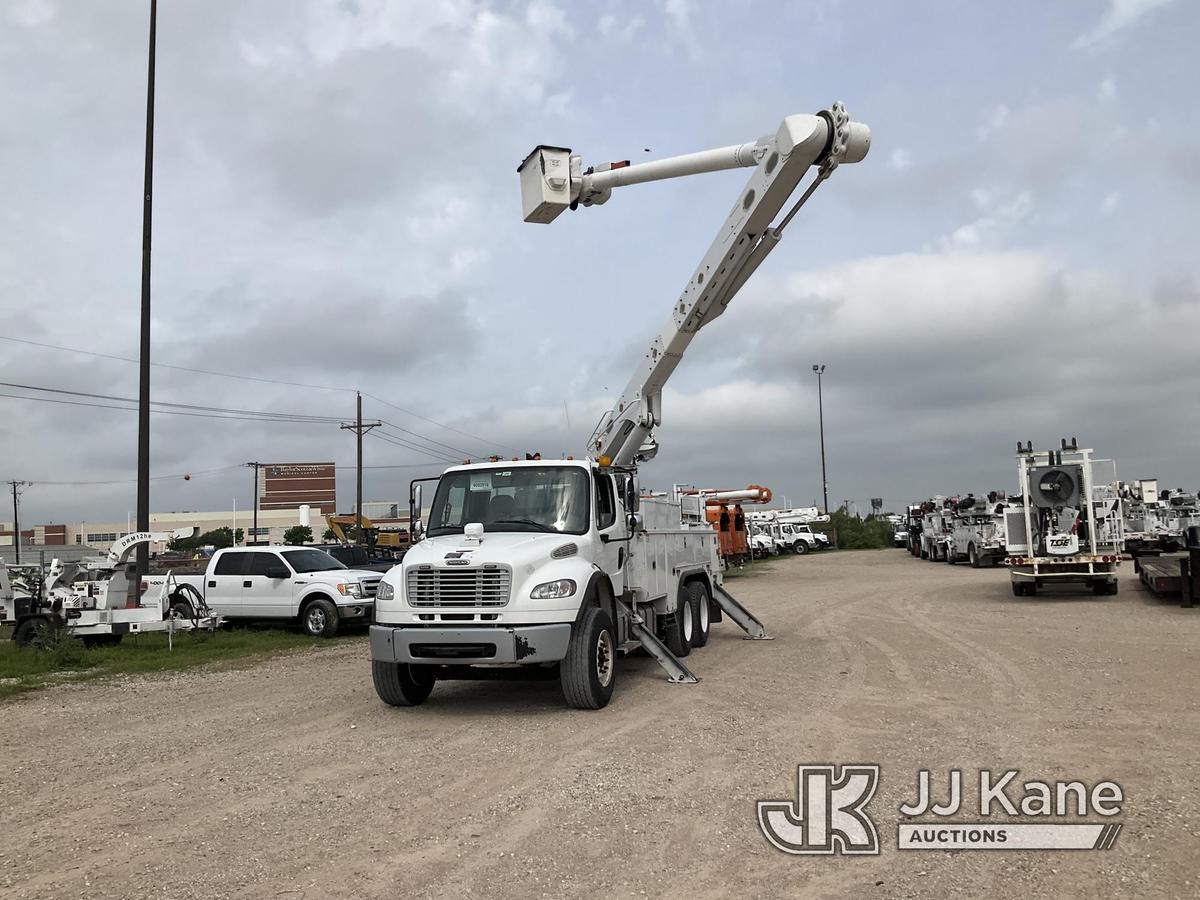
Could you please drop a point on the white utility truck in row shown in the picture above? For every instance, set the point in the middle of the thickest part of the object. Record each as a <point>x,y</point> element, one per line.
<point>1068,526</point>
<point>289,584</point>
<point>552,568</point>
<point>977,531</point>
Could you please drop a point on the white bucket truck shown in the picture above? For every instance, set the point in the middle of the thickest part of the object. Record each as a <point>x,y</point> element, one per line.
<point>554,568</point>
<point>1068,526</point>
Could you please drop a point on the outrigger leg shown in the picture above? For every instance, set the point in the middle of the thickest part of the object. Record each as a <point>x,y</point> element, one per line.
<point>742,616</point>
<point>678,673</point>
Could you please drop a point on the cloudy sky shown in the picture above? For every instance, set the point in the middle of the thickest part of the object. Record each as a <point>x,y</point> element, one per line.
<point>337,208</point>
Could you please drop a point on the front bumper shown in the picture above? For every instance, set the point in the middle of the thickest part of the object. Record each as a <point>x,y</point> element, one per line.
<point>354,610</point>
<point>470,646</point>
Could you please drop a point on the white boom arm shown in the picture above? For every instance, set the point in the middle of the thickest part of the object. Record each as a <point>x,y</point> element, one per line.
<point>552,180</point>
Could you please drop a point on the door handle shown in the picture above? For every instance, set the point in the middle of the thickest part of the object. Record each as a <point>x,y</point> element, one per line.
<point>246,584</point>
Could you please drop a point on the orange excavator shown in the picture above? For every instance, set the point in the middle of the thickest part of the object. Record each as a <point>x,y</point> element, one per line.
<point>723,509</point>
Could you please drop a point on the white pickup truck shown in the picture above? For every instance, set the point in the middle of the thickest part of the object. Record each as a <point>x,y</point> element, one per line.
<point>282,583</point>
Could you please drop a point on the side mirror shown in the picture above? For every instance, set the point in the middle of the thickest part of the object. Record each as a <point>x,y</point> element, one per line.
<point>633,522</point>
<point>632,496</point>
<point>278,572</point>
<point>416,529</point>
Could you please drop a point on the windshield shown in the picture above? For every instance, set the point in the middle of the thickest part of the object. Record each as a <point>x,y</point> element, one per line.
<point>553,499</point>
<point>311,561</point>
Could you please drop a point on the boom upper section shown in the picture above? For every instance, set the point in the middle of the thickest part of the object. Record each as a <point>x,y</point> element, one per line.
<point>552,179</point>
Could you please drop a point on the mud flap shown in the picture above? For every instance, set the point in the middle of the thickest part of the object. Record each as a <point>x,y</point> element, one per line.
<point>677,672</point>
<point>743,617</point>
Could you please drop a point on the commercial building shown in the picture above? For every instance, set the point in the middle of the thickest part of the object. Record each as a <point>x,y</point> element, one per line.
<point>292,485</point>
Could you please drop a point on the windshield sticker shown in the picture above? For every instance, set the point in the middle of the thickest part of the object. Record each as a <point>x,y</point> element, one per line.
<point>481,481</point>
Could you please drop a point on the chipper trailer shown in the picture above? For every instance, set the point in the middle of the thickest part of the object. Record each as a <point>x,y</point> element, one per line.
<point>552,568</point>
<point>100,608</point>
<point>1068,525</point>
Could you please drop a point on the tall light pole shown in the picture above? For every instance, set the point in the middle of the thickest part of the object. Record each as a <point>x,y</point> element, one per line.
<point>143,444</point>
<point>819,369</point>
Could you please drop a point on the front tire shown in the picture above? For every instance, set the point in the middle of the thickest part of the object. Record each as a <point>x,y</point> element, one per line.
<point>588,673</point>
<point>319,619</point>
<point>401,684</point>
<point>801,548</point>
<point>973,556</point>
<point>701,613</point>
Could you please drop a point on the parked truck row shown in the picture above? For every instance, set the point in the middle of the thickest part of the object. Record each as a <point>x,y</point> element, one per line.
<point>1064,523</point>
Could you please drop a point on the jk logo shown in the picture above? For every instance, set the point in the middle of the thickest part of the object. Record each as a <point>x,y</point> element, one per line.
<point>827,816</point>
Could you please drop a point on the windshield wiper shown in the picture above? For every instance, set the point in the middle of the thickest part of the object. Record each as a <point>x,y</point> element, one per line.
<point>538,525</point>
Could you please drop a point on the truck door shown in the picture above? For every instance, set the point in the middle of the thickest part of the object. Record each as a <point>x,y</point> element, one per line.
<point>264,593</point>
<point>610,523</point>
<point>223,583</point>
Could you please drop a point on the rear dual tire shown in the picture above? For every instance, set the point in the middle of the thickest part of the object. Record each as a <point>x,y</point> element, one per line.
<point>697,596</point>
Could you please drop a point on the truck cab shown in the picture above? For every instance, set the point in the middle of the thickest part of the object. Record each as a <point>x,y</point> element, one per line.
<point>543,567</point>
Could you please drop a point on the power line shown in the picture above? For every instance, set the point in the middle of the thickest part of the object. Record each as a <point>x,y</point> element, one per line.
<point>409,412</point>
<point>437,444</point>
<point>262,413</point>
<point>297,384</point>
<point>400,442</point>
<point>157,365</point>
<point>165,412</point>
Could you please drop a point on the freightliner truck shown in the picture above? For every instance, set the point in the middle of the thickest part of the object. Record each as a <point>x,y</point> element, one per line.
<point>555,568</point>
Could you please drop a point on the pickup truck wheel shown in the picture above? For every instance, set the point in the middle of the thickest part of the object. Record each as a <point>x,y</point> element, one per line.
<point>401,684</point>
<point>800,547</point>
<point>588,673</point>
<point>701,613</point>
<point>319,618</point>
<point>678,628</point>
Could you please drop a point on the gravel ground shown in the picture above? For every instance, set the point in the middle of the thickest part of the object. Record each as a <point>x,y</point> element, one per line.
<point>290,779</point>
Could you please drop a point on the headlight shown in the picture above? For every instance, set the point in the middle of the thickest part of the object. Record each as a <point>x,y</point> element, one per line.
<point>553,590</point>
<point>386,592</point>
<point>350,589</point>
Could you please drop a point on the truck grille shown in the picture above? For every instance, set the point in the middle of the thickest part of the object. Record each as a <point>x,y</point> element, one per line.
<point>459,587</point>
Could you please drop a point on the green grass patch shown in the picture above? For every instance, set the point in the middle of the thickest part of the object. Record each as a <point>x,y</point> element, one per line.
<point>758,566</point>
<point>66,659</point>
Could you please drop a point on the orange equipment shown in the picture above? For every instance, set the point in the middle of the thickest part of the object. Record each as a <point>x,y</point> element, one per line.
<point>723,508</point>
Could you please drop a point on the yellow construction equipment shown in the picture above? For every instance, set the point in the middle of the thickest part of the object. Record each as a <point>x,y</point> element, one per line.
<point>372,536</point>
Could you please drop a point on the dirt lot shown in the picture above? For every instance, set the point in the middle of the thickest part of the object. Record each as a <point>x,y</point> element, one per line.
<point>290,779</point>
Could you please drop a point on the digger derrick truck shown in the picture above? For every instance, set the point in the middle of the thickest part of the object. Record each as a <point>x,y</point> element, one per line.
<point>553,568</point>
<point>723,510</point>
<point>1068,526</point>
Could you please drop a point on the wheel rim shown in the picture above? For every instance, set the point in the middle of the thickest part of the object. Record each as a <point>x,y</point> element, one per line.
<point>704,615</point>
<point>316,619</point>
<point>604,658</point>
<point>687,621</point>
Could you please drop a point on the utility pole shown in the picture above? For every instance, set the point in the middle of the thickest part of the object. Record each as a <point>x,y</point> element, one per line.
<point>359,428</point>
<point>820,370</point>
<point>143,454</point>
<point>17,519</point>
<point>252,537</point>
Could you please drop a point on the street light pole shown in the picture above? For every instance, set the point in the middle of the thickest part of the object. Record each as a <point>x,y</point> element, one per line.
<point>143,450</point>
<point>820,370</point>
